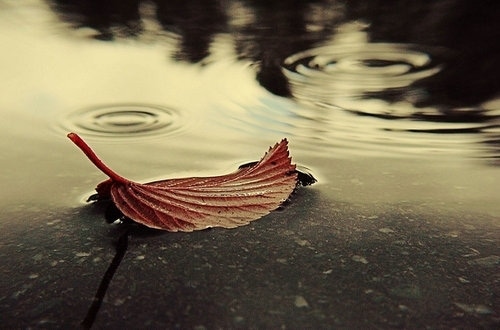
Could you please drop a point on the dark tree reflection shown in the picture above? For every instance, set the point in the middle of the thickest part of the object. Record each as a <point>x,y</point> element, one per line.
<point>279,31</point>
<point>102,15</point>
<point>468,29</point>
<point>196,21</point>
<point>266,32</point>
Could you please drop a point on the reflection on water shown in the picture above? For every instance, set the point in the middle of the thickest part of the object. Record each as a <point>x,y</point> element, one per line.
<point>350,73</point>
<point>334,61</point>
<point>350,76</point>
<point>380,79</point>
<point>157,67</point>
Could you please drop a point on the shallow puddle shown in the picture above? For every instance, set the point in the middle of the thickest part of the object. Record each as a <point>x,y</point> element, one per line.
<point>399,125</point>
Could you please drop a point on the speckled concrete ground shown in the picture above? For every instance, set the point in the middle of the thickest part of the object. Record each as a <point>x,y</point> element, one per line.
<point>315,264</point>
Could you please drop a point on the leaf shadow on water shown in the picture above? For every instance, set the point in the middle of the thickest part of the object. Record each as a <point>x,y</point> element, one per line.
<point>128,228</point>
<point>121,249</point>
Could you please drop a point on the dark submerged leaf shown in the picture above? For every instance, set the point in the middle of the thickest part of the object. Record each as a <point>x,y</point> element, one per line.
<point>304,177</point>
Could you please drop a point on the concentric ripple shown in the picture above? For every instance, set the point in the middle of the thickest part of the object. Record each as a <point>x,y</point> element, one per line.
<point>345,74</point>
<point>361,67</point>
<point>124,120</point>
<point>383,80</point>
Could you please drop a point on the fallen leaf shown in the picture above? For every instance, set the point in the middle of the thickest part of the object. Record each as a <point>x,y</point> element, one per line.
<point>197,203</point>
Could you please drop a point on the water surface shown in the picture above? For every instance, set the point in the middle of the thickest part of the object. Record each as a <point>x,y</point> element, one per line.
<point>398,121</point>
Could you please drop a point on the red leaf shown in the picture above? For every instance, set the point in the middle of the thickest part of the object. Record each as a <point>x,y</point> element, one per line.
<point>202,202</point>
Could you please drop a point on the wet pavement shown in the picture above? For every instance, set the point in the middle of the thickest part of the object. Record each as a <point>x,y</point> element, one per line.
<point>394,108</point>
<point>313,264</point>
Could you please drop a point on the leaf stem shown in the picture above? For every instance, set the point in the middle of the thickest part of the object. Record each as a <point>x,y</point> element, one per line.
<point>80,143</point>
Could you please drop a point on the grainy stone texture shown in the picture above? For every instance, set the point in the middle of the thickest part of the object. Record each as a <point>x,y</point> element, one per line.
<point>316,263</point>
